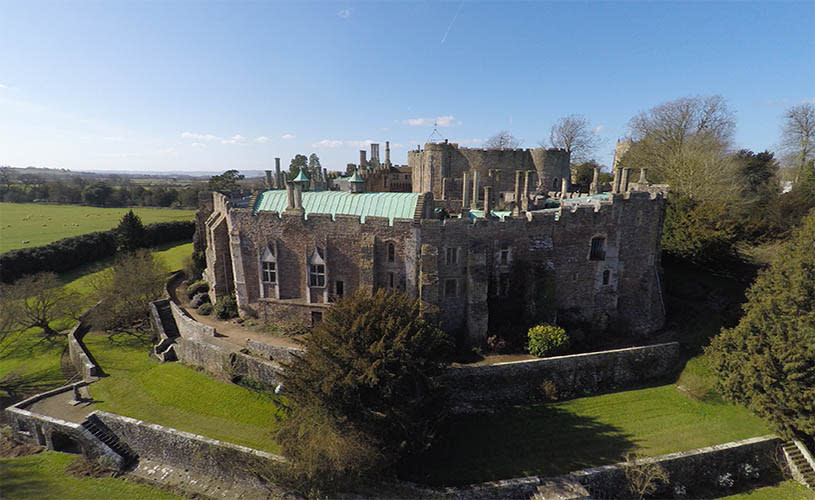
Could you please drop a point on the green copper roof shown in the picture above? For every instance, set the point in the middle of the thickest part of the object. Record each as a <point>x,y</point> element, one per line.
<point>355,178</point>
<point>390,205</point>
<point>301,177</point>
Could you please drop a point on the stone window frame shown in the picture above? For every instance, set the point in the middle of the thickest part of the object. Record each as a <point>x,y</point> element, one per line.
<point>505,253</point>
<point>606,276</point>
<point>390,250</point>
<point>595,253</point>
<point>451,255</point>
<point>317,270</point>
<point>339,288</point>
<point>450,288</point>
<point>268,253</point>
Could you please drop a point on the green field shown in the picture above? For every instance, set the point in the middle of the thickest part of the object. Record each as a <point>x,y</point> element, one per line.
<point>553,439</point>
<point>43,476</point>
<point>177,396</point>
<point>788,490</point>
<point>40,224</point>
<point>36,360</point>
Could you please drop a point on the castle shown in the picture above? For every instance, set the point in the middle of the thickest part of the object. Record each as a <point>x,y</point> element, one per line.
<point>483,232</point>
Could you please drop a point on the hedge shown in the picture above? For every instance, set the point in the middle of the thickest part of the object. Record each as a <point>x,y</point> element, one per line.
<point>68,253</point>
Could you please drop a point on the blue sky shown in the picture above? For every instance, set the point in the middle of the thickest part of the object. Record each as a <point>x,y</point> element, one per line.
<point>209,86</point>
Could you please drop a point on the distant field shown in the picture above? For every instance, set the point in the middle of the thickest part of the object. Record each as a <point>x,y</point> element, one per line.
<point>39,224</point>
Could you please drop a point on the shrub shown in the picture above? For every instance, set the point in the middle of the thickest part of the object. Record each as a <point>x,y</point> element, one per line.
<point>205,309</point>
<point>226,308</point>
<point>197,287</point>
<point>547,340</point>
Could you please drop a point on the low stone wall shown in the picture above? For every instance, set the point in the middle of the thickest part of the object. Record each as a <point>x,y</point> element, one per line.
<point>272,352</point>
<point>81,359</point>
<point>188,327</point>
<point>748,463</point>
<point>561,377</point>
<point>224,362</point>
<point>42,429</point>
<point>223,461</point>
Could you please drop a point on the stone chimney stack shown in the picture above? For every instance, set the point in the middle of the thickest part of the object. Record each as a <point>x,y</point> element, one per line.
<point>564,183</point>
<point>615,184</point>
<point>374,153</point>
<point>362,161</point>
<point>465,191</point>
<point>595,181</point>
<point>289,196</point>
<point>279,183</point>
<point>643,174</point>
<point>518,174</point>
<point>298,196</point>
<point>387,154</point>
<point>269,179</point>
<point>525,196</point>
<point>444,187</point>
<point>624,181</point>
<point>487,200</point>
<point>475,190</point>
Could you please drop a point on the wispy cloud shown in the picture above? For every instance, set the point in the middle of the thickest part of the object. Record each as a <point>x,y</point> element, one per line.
<point>599,129</point>
<point>441,121</point>
<point>235,139</point>
<point>200,137</point>
<point>113,138</point>
<point>198,145</point>
<point>444,38</point>
<point>3,86</point>
<point>288,137</point>
<point>327,143</point>
<point>263,139</point>
<point>776,102</point>
<point>167,151</point>
<point>344,13</point>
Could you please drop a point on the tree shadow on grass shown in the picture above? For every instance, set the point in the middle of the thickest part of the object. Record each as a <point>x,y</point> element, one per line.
<point>18,481</point>
<point>540,440</point>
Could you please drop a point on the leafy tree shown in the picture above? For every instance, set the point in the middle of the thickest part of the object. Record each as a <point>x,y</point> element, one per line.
<point>136,279</point>
<point>97,194</point>
<point>314,166</point>
<point>575,134</point>
<point>767,362</point>
<point>685,143</point>
<point>798,135</point>
<point>129,233</point>
<point>370,367</point>
<point>226,183</point>
<point>299,161</point>
<point>37,301</point>
<point>698,232</point>
<point>583,173</point>
<point>503,140</point>
<point>759,210</point>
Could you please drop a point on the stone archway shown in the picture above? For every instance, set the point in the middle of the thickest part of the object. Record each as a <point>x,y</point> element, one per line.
<point>64,443</point>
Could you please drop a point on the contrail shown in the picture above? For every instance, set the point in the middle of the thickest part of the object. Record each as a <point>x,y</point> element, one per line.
<point>451,22</point>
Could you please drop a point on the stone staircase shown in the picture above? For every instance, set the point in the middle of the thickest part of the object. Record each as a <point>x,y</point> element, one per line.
<point>801,469</point>
<point>164,349</point>
<point>101,432</point>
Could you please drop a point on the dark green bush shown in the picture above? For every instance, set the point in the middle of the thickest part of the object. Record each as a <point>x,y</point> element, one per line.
<point>197,287</point>
<point>547,340</point>
<point>205,309</point>
<point>226,308</point>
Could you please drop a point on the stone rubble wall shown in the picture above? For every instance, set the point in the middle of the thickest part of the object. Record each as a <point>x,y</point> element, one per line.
<point>220,460</point>
<point>188,327</point>
<point>273,352</point>
<point>78,353</point>
<point>561,377</point>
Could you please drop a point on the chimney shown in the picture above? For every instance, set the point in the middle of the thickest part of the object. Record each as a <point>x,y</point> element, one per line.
<point>595,181</point>
<point>487,200</point>
<point>289,196</point>
<point>465,192</point>
<point>624,181</point>
<point>475,190</point>
<point>615,184</point>
<point>279,183</point>
<point>387,154</point>
<point>525,196</point>
<point>564,183</point>
<point>518,174</point>
<point>444,187</point>
<point>643,173</point>
<point>374,153</point>
<point>269,180</point>
<point>362,161</point>
<point>298,196</point>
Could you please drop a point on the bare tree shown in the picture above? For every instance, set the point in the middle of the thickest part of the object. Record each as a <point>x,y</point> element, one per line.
<point>575,134</point>
<point>37,301</point>
<point>643,475</point>
<point>798,135</point>
<point>503,140</point>
<point>685,143</point>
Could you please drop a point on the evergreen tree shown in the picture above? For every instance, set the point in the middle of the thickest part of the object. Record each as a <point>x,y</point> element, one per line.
<point>130,233</point>
<point>767,362</point>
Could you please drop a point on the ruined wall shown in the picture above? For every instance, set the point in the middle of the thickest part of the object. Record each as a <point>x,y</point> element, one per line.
<point>223,361</point>
<point>522,382</point>
<point>495,167</point>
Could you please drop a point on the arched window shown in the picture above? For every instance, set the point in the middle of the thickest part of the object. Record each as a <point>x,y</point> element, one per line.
<point>316,271</point>
<point>606,276</point>
<point>268,272</point>
<point>555,184</point>
<point>598,248</point>
<point>391,252</point>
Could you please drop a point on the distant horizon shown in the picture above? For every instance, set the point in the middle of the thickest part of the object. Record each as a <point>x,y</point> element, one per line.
<point>206,87</point>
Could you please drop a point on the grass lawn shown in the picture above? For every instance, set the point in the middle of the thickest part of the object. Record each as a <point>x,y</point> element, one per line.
<point>788,490</point>
<point>37,360</point>
<point>177,396</point>
<point>40,224</point>
<point>556,438</point>
<point>43,476</point>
